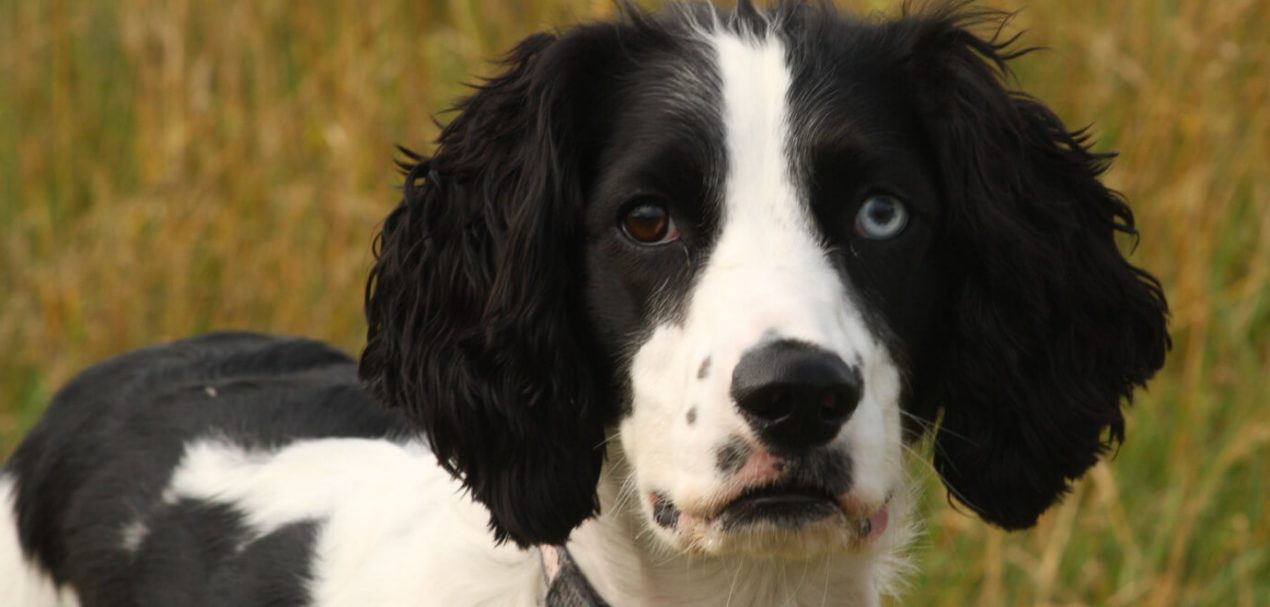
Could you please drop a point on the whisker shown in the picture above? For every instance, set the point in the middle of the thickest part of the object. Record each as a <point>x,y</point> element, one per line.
<point>928,466</point>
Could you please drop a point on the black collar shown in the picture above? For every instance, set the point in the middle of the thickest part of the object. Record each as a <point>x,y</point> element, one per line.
<point>566,585</point>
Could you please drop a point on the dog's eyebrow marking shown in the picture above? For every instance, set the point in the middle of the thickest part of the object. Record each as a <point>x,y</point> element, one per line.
<point>705,368</point>
<point>692,415</point>
<point>730,457</point>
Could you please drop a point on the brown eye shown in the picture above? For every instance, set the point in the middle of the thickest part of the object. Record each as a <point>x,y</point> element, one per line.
<point>649,223</point>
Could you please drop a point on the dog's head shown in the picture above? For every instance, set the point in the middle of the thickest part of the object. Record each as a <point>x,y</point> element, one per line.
<point>758,252</point>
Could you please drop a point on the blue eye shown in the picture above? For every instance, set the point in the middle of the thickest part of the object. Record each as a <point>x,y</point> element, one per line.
<point>881,217</point>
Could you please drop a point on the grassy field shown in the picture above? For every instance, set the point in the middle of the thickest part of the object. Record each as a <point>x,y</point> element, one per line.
<point>173,166</point>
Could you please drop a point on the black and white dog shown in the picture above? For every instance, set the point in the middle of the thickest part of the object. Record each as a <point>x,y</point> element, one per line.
<point>662,313</point>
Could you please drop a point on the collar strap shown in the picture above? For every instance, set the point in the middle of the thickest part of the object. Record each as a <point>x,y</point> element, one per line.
<point>566,585</point>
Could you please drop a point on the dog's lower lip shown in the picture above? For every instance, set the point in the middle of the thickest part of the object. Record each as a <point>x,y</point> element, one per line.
<point>780,496</point>
<point>779,504</point>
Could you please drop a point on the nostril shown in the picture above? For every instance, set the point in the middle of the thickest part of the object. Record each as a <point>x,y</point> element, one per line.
<point>838,405</point>
<point>771,403</point>
<point>830,407</point>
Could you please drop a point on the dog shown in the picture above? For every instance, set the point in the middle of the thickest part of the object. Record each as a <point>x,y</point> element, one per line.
<point>655,324</point>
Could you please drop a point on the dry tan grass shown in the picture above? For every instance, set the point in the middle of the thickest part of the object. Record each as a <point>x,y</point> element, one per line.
<point>171,166</point>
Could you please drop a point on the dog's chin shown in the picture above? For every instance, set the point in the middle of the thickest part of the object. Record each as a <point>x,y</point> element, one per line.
<point>775,523</point>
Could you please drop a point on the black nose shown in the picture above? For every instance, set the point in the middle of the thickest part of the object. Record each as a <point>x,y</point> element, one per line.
<point>796,396</point>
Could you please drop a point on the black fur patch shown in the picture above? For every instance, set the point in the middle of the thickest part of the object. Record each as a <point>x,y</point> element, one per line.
<point>829,469</point>
<point>730,457</point>
<point>664,511</point>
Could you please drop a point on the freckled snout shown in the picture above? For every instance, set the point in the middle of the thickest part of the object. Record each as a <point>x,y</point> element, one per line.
<point>794,395</point>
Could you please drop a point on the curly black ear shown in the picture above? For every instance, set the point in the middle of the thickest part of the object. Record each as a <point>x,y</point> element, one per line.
<point>1050,328</point>
<point>474,305</point>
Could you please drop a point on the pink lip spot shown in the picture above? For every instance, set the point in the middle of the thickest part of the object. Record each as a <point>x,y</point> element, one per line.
<point>761,467</point>
<point>877,523</point>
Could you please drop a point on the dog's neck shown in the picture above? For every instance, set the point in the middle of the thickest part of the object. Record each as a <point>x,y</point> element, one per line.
<point>626,565</point>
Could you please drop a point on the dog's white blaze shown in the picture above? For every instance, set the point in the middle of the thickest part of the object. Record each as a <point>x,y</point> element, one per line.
<point>394,528</point>
<point>768,277</point>
<point>22,582</point>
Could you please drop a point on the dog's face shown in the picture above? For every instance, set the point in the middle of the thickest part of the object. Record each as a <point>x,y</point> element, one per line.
<point>761,243</point>
<point>745,256</point>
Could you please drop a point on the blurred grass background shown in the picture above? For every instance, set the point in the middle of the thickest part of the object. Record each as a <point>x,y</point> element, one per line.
<point>173,166</point>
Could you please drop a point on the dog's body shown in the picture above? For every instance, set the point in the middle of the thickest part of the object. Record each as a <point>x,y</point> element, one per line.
<point>240,469</point>
<point>674,292</point>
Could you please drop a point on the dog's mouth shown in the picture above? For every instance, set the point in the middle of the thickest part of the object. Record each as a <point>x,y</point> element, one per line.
<point>780,505</point>
<point>783,520</point>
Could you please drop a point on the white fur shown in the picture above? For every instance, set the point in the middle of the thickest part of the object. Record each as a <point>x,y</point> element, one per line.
<point>21,581</point>
<point>395,529</point>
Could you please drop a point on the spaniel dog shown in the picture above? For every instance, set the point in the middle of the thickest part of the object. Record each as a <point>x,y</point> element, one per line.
<point>654,325</point>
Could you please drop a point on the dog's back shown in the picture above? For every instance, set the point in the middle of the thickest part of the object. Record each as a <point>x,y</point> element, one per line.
<point>91,487</point>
